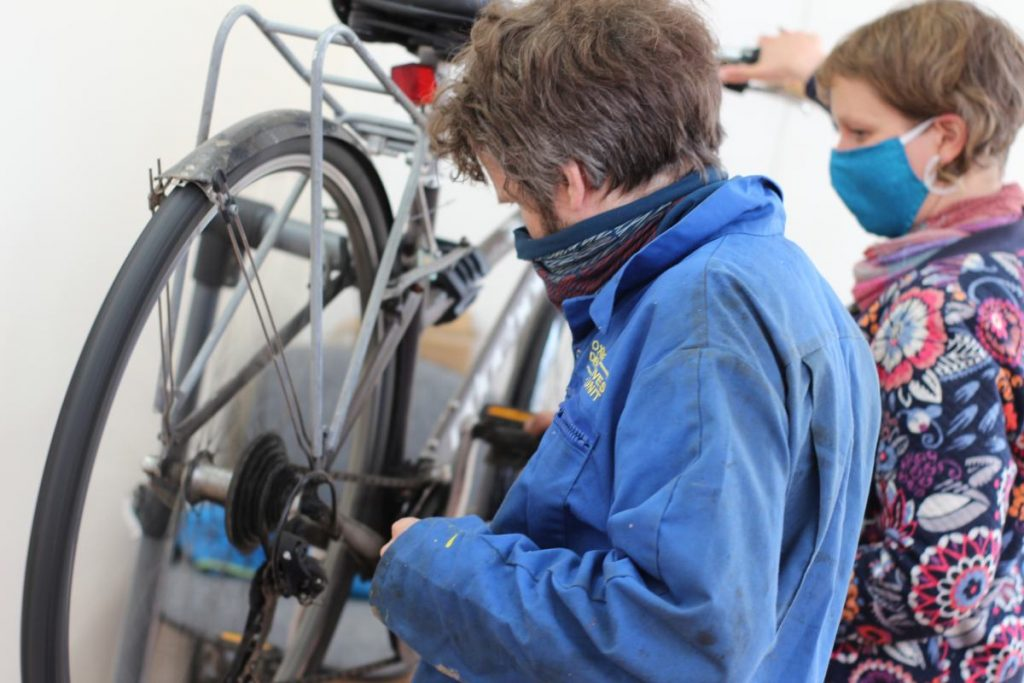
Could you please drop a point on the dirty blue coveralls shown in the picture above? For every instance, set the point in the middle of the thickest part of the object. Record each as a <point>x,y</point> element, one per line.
<point>693,511</point>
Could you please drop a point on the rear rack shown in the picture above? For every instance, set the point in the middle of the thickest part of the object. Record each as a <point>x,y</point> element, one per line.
<point>339,34</point>
<point>376,134</point>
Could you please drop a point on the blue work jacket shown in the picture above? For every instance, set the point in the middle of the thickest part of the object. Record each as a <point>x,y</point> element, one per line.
<point>693,511</point>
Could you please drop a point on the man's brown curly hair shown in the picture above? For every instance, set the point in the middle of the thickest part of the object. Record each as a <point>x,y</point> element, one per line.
<point>629,89</point>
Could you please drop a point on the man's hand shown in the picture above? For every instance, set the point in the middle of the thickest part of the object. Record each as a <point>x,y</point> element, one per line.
<point>787,60</point>
<point>397,529</point>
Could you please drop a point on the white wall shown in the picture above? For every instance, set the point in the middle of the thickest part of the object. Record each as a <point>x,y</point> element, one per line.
<point>94,92</point>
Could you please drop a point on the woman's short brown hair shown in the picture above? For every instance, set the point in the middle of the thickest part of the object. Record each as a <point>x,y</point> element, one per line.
<point>627,88</point>
<point>939,57</point>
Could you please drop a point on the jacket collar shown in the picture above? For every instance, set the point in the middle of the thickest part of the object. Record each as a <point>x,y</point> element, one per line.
<point>750,205</point>
<point>692,185</point>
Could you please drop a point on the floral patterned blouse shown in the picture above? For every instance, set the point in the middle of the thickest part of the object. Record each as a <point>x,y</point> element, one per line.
<point>937,591</point>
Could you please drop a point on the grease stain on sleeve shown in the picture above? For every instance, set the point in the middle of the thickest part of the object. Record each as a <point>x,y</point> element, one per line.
<point>450,673</point>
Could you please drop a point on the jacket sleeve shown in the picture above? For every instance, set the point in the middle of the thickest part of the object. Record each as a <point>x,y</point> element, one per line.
<point>688,584</point>
<point>944,471</point>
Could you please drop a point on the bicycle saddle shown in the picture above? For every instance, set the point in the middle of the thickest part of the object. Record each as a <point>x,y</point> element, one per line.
<point>439,24</point>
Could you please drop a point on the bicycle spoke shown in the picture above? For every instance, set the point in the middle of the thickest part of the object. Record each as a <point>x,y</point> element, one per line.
<point>240,246</point>
<point>382,355</point>
<point>185,427</point>
<point>191,378</point>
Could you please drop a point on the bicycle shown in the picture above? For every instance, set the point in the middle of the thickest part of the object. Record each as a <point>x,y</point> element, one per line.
<point>314,484</point>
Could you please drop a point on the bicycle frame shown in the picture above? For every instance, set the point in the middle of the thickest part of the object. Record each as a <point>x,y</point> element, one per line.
<point>386,136</point>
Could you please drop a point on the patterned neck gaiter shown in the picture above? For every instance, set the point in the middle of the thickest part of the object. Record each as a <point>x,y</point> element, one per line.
<point>578,260</point>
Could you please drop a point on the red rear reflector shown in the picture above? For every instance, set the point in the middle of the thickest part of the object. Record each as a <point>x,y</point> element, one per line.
<point>416,81</point>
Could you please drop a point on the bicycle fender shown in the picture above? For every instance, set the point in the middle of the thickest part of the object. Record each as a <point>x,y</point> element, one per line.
<point>230,147</point>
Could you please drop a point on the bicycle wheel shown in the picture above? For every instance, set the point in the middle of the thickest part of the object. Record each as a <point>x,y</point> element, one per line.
<point>80,583</point>
<point>542,372</point>
<point>543,369</point>
<point>536,383</point>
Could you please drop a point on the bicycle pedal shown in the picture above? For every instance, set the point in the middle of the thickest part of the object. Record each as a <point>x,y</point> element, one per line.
<point>501,427</point>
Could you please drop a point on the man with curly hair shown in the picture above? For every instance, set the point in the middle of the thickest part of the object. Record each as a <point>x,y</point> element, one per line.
<point>693,509</point>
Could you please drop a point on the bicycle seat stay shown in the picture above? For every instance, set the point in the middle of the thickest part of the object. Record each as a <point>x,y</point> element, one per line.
<point>442,25</point>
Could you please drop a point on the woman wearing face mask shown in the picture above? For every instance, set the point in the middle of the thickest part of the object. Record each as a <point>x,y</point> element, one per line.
<point>928,100</point>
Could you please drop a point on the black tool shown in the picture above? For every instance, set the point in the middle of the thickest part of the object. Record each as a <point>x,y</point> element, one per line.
<point>747,55</point>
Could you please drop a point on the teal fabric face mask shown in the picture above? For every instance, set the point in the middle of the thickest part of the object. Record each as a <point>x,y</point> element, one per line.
<point>878,185</point>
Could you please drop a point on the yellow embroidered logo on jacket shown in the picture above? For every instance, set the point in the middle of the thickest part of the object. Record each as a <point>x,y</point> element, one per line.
<point>597,372</point>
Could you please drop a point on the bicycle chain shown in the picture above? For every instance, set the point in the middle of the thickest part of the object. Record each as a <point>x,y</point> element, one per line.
<point>382,481</point>
<point>350,674</point>
<point>262,601</point>
<point>329,676</point>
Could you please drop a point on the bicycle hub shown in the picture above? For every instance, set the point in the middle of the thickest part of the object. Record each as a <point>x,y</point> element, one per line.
<point>260,488</point>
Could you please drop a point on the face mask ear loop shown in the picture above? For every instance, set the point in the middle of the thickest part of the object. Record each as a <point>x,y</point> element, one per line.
<point>931,179</point>
<point>931,171</point>
<point>916,131</point>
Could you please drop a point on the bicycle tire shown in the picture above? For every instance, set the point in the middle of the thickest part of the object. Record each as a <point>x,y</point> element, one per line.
<point>545,325</point>
<point>97,376</point>
<point>531,388</point>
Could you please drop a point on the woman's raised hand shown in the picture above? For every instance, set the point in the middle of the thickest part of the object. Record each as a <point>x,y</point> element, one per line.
<point>787,60</point>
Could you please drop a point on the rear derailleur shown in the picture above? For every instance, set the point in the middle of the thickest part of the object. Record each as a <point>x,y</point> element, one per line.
<point>288,511</point>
